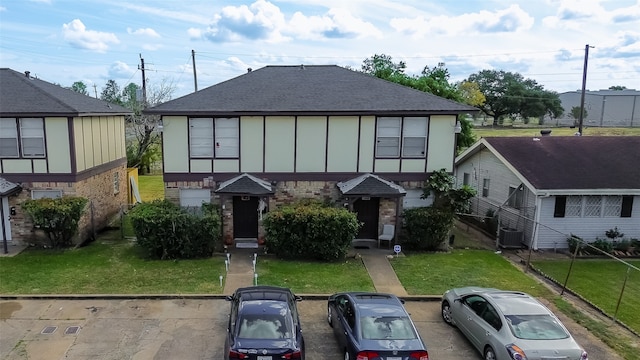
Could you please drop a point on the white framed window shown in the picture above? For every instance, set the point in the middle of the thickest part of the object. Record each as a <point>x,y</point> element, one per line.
<point>612,206</point>
<point>466,179</point>
<point>227,136</point>
<point>574,206</point>
<point>194,197</point>
<point>414,137</point>
<point>219,137</point>
<point>201,137</point>
<point>388,137</point>
<point>592,206</point>
<point>485,187</point>
<point>50,194</point>
<point>8,137</point>
<point>116,183</point>
<point>515,197</point>
<point>32,137</point>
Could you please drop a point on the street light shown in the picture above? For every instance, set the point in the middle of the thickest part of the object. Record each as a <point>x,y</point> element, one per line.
<point>584,85</point>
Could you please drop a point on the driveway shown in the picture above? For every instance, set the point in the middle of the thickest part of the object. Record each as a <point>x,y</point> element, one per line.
<point>177,329</point>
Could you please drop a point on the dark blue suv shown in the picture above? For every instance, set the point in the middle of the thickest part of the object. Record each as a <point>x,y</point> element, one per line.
<point>264,325</point>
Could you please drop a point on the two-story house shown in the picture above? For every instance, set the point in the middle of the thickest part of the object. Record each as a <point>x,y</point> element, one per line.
<point>56,142</point>
<point>543,189</point>
<point>283,133</point>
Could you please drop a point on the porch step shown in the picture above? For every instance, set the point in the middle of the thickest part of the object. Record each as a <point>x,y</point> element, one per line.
<point>246,243</point>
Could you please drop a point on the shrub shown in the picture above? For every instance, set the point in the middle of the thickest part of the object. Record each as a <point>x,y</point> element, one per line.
<point>574,242</point>
<point>310,231</point>
<point>601,244</point>
<point>58,217</point>
<point>166,231</point>
<point>425,228</point>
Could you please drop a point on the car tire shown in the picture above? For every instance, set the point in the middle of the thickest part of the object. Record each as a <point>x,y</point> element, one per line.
<point>330,316</point>
<point>446,313</point>
<point>346,355</point>
<point>489,354</point>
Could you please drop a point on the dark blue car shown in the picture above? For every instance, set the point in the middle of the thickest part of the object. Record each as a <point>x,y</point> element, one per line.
<point>374,326</point>
<point>264,325</point>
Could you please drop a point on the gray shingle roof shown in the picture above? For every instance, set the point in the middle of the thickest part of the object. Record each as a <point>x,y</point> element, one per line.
<point>21,95</point>
<point>315,89</point>
<point>371,185</point>
<point>8,188</point>
<point>245,184</point>
<point>574,162</point>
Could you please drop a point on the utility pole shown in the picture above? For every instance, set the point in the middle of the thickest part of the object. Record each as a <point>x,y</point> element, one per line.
<point>584,86</point>
<point>144,83</point>
<point>195,78</point>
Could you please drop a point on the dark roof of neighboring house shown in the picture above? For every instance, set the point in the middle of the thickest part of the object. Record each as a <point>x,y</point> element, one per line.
<point>573,162</point>
<point>22,95</point>
<point>245,184</point>
<point>308,89</point>
<point>371,185</point>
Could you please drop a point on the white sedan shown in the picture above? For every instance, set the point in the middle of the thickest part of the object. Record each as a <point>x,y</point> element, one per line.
<point>509,325</point>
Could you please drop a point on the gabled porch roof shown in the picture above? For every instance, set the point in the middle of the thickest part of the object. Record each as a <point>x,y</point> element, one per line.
<point>245,184</point>
<point>371,185</point>
<point>8,188</point>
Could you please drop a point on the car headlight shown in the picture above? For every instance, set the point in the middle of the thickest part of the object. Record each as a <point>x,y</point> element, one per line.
<point>515,352</point>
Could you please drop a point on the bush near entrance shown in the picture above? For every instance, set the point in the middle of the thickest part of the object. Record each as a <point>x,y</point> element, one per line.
<point>310,231</point>
<point>58,217</point>
<point>166,231</point>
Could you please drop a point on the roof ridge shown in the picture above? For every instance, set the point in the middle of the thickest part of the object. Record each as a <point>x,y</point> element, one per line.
<point>24,78</point>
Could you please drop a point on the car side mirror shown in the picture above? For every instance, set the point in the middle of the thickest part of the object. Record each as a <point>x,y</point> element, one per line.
<point>228,298</point>
<point>402,301</point>
<point>298,298</point>
<point>457,300</point>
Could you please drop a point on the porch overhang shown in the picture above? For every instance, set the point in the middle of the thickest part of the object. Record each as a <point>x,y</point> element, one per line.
<point>370,185</point>
<point>245,184</point>
<point>7,188</point>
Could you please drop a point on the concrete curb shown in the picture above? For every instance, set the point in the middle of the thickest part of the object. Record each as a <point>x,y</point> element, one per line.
<point>176,296</point>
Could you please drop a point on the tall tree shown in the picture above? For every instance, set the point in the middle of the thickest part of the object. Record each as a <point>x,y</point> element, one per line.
<point>511,94</point>
<point>111,93</point>
<point>79,87</point>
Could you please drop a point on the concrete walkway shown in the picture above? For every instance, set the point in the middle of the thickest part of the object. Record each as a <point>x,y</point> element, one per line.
<point>382,275</point>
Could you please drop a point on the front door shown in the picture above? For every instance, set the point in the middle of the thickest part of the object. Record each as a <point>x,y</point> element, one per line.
<point>367,213</point>
<point>245,217</point>
<point>5,220</point>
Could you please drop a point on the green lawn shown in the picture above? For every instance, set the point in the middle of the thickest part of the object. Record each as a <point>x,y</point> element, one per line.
<point>434,273</point>
<point>600,281</point>
<point>151,187</point>
<point>314,277</point>
<point>107,266</point>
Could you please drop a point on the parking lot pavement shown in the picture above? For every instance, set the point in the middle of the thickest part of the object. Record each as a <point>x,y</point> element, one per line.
<point>172,329</point>
<point>183,329</point>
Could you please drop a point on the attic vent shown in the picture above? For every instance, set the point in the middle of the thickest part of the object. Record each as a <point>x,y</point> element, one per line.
<point>249,70</point>
<point>26,73</point>
<point>301,66</point>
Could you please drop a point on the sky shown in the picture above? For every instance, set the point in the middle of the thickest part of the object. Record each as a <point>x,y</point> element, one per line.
<point>64,41</point>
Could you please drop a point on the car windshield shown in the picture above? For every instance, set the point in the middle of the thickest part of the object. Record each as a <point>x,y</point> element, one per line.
<point>387,328</point>
<point>264,326</point>
<point>536,327</point>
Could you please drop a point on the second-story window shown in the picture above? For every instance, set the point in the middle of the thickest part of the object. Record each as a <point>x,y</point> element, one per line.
<point>23,137</point>
<point>214,137</point>
<point>401,137</point>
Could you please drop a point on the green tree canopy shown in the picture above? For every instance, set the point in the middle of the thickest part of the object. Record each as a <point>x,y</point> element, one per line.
<point>79,87</point>
<point>510,93</point>
<point>111,93</point>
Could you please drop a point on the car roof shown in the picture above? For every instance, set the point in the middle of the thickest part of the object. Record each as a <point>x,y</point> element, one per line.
<point>517,303</point>
<point>259,307</point>
<point>264,293</point>
<point>378,304</point>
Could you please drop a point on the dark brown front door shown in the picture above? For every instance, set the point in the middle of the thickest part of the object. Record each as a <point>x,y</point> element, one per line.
<point>245,217</point>
<point>367,211</point>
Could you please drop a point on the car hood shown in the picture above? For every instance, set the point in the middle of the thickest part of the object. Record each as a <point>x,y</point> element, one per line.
<point>266,344</point>
<point>537,349</point>
<point>391,345</point>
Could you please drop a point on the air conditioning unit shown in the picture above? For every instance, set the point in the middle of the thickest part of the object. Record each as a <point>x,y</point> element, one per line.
<point>510,238</point>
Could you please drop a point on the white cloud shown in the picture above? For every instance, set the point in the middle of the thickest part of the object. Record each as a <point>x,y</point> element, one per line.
<point>144,31</point>
<point>77,35</point>
<point>572,13</point>
<point>511,19</point>
<point>336,23</point>
<point>119,70</point>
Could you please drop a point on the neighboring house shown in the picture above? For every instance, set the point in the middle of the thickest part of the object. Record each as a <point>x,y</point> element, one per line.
<point>545,189</point>
<point>604,108</point>
<point>56,142</point>
<point>282,133</point>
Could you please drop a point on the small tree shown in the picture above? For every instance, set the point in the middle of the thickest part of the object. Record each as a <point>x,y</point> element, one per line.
<point>575,114</point>
<point>58,218</point>
<point>427,228</point>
